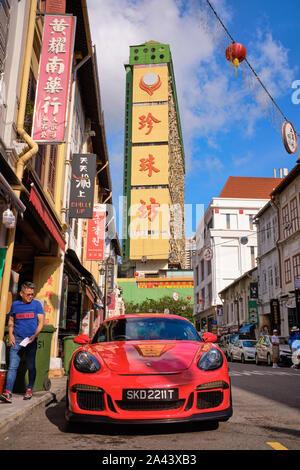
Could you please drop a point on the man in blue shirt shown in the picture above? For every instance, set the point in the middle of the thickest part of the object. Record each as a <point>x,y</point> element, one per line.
<point>26,320</point>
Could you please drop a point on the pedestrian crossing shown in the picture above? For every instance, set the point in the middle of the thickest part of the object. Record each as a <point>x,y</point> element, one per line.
<point>241,373</point>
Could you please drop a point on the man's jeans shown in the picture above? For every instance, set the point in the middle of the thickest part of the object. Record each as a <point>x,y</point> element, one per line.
<point>15,355</point>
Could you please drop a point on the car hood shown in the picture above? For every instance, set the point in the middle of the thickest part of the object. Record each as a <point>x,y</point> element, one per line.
<point>285,348</point>
<point>249,349</point>
<point>144,357</point>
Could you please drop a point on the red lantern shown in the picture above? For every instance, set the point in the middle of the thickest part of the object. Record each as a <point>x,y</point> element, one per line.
<point>136,274</point>
<point>236,53</point>
<point>200,299</point>
<point>189,297</point>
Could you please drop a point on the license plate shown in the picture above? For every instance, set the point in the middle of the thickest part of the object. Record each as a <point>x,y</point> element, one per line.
<point>153,394</point>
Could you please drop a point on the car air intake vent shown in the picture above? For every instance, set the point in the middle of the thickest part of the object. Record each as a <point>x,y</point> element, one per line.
<point>149,405</point>
<point>209,399</point>
<point>90,400</point>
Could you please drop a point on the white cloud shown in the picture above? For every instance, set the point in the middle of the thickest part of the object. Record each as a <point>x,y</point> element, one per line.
<point>211,99</point>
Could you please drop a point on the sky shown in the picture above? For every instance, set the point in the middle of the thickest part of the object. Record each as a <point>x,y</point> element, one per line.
<point>229,125</point>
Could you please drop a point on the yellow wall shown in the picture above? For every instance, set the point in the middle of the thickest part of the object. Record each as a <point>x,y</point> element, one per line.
<point>150,165</point>
<point>150,123</point>
<point>154,245</point>
<point>156,92</point>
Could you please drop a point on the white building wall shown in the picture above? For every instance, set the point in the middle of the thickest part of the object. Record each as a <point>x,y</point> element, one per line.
<point>230,257</point>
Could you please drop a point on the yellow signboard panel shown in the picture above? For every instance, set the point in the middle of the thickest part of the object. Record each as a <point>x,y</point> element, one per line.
<point>149,223</point>
<point>150,123</point>
<point>150,83</point>
<point>150,165</point>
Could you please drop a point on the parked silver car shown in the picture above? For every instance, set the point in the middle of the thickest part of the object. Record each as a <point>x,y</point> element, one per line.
<point>263,351</point>
<point>243,350</point>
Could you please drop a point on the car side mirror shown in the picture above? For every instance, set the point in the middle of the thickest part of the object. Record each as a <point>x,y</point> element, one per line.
<point>209,337</point>
<point>81,339</point>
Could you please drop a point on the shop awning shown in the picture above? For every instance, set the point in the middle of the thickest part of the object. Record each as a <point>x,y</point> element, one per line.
<point>245,328</point>
<point>45,215</point>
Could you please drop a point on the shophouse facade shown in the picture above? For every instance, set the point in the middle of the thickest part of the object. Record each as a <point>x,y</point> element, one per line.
<point>286,200</point>
<point>240,306</point>
<point>46,245</point>
<point>268,265</point>
<point>226,244</point>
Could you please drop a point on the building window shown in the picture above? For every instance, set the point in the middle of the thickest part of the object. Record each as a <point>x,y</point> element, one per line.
<point>197,275</point>
<point>294,214</point>
<point>268,230</point>
<point>287,271</point>
<point>251,218</point>
<point>270,279</point>
<point>202,270</point>
<point>252,254</point>
<point>286,220</point>
<point>264,282</point>
<point>227,220</point>
<point>262,233</point>
<point>296,265</point>
<point>39,162</point>
<point>276,275</point>
<point>52,168</point>
<point>274,225</point>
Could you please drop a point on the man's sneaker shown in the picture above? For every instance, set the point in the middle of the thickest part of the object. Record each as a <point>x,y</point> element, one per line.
<point>28,394</point>
<point>6,396</point>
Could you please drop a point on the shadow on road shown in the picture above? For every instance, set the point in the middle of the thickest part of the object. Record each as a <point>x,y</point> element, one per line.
<point>55,414</point>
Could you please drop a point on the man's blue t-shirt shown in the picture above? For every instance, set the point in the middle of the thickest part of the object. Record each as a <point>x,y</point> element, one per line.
<point>25,317</point>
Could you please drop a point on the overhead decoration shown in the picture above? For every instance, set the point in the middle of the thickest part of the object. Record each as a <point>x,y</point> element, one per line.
<point>212,24</point>
<point>236,53</point>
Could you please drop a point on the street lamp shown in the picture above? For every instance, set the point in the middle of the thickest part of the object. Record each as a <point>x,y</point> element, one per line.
<point>103,270</point>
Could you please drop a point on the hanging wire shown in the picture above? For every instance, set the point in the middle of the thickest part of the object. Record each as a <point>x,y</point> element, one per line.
<point>251,83</point>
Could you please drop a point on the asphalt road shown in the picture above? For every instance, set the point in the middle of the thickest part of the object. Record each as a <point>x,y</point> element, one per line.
<point>266,405</point>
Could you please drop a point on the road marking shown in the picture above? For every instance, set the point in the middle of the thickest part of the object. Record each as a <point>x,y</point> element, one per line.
<point>277,446</point>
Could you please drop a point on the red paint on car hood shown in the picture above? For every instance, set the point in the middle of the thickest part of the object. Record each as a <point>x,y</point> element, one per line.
<point>146,357</point>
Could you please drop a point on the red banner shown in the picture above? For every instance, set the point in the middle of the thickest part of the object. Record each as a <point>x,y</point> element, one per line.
<point>96,234</point>
<point>51,102</point>
<point>46,217</point>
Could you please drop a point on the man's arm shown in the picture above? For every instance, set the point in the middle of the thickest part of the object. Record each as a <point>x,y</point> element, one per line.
<point>39,327</point>
<point>11,324</point>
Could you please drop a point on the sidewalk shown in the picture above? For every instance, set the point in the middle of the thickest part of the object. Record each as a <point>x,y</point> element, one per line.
<point>13,413</point>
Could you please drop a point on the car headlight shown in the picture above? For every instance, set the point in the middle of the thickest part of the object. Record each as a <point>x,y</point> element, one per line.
<point>212,359</point>
<point>86,362</point>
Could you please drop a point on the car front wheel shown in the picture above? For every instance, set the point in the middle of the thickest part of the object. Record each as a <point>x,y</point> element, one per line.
<point>243,359</point>
<point>256,360</point>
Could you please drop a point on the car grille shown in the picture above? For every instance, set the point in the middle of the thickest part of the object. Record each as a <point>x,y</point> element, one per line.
<point>140,405</point>
<point>90,400</point>
<point>209,399</point>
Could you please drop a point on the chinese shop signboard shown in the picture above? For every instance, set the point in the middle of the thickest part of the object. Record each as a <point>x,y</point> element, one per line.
<point>50,110</point>
<point>96,234</point>
<point>82,186</point>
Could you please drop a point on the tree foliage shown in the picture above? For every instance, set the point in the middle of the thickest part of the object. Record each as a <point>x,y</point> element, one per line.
<point>177,307</point>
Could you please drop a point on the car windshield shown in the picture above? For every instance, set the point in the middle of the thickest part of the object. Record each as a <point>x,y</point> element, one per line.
<point>283,340</point>
<point>249,343</point>
<point>130,329</point>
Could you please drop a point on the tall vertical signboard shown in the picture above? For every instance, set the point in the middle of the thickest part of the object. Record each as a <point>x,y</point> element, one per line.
<point>96,234</point>
<point>53,87</point>
<point>82,186</point>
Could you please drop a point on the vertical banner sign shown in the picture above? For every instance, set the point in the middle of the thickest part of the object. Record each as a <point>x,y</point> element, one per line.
<point>82,186</point>
<point>51,103</point>
<point>253,311</point>
<point>96,234</point>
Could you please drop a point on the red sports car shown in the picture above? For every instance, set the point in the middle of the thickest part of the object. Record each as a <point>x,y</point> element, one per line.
<point>148,368</point>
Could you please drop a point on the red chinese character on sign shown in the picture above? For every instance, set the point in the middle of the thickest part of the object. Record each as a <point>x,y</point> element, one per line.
<point>149,211</point>
<point>50,281</point>
<point>142,210</point>
<point>148,165</point>
<point>147,120</point>
<point>152,212</point>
